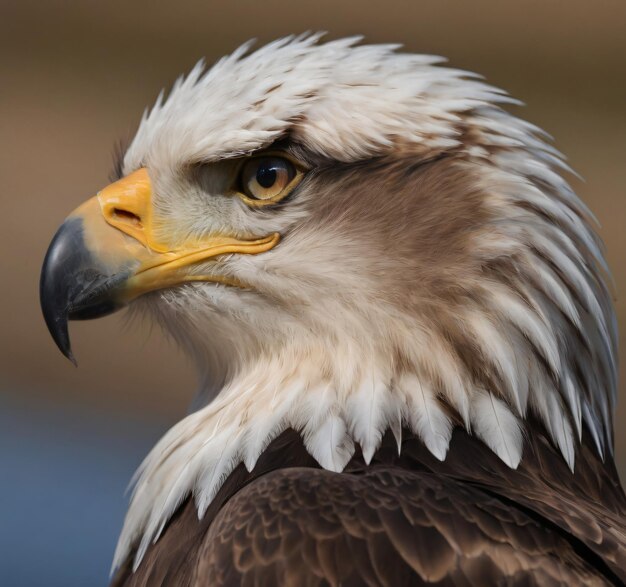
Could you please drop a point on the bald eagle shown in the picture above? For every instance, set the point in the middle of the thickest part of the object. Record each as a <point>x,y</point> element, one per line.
<point>400,315</point>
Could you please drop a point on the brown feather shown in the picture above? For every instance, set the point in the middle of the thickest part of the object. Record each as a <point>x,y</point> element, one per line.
<point>404,520</point>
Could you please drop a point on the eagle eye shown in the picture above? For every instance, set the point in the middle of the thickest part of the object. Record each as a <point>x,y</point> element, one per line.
<point>267,179</point>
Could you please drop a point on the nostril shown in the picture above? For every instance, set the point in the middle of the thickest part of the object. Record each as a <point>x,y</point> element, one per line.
<point>126,216</point>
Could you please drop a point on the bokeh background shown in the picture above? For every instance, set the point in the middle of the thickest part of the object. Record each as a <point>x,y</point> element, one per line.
<point>75,77</point>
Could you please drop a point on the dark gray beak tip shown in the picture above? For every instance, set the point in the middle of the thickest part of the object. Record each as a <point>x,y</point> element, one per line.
<point>58,328</point>
<point>56,321</point>
<point>64,255</point>
<point>74,285</point>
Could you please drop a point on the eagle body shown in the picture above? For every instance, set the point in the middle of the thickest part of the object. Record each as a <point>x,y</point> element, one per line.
<point>399,312</point>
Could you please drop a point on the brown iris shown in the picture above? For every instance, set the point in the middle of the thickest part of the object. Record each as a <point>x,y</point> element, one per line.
<point>267,179</point>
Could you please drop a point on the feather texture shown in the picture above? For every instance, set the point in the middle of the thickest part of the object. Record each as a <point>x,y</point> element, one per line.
<point>426,416</point>
<point>496,425</point>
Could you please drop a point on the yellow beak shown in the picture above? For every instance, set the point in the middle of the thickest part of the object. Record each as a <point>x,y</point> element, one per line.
<point>110,250</point>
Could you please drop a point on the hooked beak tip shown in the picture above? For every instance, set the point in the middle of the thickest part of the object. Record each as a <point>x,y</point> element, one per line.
<point>55,315</point>
<point>57,286</point>
<point>74,284</point>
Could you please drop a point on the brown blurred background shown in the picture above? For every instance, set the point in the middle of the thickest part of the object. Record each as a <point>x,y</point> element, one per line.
<point>75,78</point>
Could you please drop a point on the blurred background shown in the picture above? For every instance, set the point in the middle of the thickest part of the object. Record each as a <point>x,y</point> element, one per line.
<point>75,78</point>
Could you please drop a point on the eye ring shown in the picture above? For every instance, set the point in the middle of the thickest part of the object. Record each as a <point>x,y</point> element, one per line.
<point>266,179</point>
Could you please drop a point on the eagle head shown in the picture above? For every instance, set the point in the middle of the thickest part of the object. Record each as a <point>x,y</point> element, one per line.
<point>347,240</point>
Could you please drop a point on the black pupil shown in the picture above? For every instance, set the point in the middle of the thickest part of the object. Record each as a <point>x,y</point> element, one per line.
<point>266,175</point>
